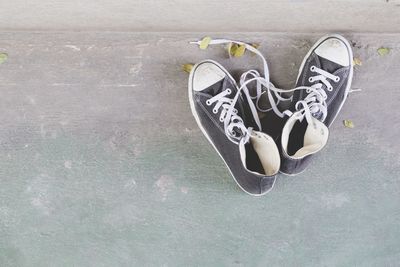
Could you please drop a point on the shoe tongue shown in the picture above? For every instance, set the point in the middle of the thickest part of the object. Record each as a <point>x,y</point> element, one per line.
<point>227,83</point>
<point>218,86</point>
<point>328,65</point>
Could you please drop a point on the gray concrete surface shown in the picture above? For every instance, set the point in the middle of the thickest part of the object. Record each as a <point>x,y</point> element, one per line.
<point>206,15</point>
<point>102,164</point>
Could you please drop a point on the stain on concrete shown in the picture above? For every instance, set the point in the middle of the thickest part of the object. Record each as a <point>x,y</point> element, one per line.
<point>68,164</point>
<point>39,191</point>
<point>136,68</point>
<point>130,184</point>
<point>184,190</point>
<point>164,185</point>
<point>73,47</point>
<point>334,201</point>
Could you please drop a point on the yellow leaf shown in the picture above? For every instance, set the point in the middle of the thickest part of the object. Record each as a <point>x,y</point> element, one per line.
<point>357,61</point>
<point>232,48</point>
<point>3,57</point>
<point>187,67</point>
<point>205,42</point>
<point>348,123</point>
<point>383,51</point>
<point>239,51</point>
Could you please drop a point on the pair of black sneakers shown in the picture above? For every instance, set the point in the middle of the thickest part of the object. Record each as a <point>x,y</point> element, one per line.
<point>260,130</point>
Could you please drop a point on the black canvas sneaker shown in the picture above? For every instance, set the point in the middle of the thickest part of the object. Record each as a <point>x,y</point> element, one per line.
<point>322,87</point>
<point>226,114</point>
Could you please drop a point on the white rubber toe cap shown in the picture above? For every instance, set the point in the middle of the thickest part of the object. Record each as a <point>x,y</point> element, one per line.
<point>335,50</point>
<point>205,75</point>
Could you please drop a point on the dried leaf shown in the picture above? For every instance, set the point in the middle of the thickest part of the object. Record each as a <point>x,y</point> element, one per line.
<point>232,48</point>
<point>205,42</point>
<point>383,51</point>
<point>357,62</point>
<point>187,67</point>
<point>3,57</point>
<point>348,123</point>
<point>236,50</point>
<point>239,51</point>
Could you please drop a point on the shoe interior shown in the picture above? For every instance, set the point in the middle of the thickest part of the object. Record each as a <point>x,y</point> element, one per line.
<point>260,154</point>
<point>296,137</point>
<point>300,139</point>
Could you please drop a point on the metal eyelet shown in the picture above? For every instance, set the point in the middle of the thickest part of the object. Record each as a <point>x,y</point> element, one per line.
<point>221,119</point>
<point>337,79</point>
<point>330,89</point>
<point>215,111</point>
<point>310,79</point>
<point>312,68</point>
<point>229,91</point>
<point>208,103</point>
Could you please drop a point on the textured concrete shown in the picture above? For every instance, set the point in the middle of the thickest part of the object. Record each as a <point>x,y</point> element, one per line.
<point>102,164</point>
<point>205,15</point>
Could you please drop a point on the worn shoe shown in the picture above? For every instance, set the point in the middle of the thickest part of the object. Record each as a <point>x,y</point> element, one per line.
<point>225,114</point>
<point>322,87</point>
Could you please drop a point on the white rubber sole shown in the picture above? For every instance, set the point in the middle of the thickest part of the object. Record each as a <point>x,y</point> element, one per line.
<point>196,116</point>
<point>294,174</point>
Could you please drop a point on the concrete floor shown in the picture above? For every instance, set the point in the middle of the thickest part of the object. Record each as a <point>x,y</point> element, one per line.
<point>102,164</point>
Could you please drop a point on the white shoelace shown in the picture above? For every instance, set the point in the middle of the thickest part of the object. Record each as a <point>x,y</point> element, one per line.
<point>232,122</point>
<point>314,103</point>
